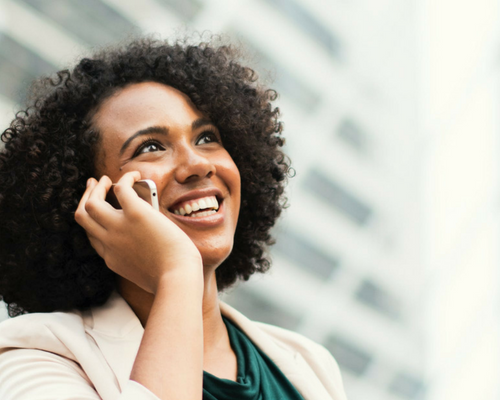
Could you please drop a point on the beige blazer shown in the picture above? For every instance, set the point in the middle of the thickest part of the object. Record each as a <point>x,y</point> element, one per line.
<point>89,355</point>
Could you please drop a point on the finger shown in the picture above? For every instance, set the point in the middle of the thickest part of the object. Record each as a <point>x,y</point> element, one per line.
<point>97,207</point>
<point>97,245</point>
<point>83,218</point>
<point>125,193</point>
<point>101,188</point>
<point>86,194</point>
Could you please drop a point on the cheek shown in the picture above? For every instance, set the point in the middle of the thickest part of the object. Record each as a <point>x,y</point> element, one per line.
<point>159,174</point>
<point>229,172</point>
<point>231,175</point>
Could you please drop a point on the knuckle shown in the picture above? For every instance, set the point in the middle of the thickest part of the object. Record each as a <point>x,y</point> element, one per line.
<point>90,206</point>
<point>131,175</point>
<point>79,214</point>
<point>135,215</point>
<point>118,188</point>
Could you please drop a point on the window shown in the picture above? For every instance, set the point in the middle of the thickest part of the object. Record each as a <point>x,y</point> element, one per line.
<point>335,195</point>
<point>90,20</point>
<point>309,24</point>
<point>301,252</point>
<point>348,355</point>
<point>352,134</point>
<point>375,297</point>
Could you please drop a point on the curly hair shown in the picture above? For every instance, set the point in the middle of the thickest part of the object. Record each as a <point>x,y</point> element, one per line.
<point>46,260</point>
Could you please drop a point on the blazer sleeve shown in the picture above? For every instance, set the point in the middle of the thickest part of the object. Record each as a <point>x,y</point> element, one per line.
<point>28,374</point>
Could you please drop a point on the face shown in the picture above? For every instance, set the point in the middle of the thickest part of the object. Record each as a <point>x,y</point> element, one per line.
<point>156,130</point>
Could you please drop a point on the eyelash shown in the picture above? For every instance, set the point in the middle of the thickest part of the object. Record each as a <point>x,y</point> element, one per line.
<point>211,131</point>
<point>145,143</point>
<point>148,141</point>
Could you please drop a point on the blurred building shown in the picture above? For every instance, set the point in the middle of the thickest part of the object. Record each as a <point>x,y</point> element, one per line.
<point>347,264</point>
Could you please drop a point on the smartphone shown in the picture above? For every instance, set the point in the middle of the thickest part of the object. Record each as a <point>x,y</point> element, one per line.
<point>145,189</point>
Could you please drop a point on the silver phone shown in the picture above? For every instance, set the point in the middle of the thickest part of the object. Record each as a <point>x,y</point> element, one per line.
<point>145,189</point>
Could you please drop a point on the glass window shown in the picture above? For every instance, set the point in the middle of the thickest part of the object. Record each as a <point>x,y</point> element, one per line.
<point>335,195</point>
<point>90,20</point>
<point>406,386</point>
<point>348,355</point>
<point>307,22</point>
<point>375,297</point>
<point>351,133</point>
<point>303,253</point>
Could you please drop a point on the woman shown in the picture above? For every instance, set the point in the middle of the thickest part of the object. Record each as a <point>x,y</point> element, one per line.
<point>123,304</point>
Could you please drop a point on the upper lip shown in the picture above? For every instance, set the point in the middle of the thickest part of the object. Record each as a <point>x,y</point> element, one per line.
<point>198,194</point>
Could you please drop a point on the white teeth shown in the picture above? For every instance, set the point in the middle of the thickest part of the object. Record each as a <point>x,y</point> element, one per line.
<point>203,214</point>
<point>207,202</point>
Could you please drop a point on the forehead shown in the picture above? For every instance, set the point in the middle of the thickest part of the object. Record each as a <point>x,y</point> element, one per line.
<point>144,104</point>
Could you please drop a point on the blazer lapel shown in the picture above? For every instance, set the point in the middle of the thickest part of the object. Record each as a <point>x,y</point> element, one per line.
<point>291,363</point>
<point>118,334</point>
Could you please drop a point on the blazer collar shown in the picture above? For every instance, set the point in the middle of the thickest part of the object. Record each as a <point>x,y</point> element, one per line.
<point>118,332</point>
<point>287,359</point>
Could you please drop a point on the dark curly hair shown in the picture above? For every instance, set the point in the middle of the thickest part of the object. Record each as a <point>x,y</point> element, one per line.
<point>46,260</point>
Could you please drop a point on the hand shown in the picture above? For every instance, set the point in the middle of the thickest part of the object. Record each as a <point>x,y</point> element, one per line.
<point>137,242</point>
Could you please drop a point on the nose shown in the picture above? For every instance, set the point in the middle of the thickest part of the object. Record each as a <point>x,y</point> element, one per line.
<point>193,165</point>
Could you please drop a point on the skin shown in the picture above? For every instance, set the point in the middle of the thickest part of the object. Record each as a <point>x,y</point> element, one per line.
<point>166,265</point>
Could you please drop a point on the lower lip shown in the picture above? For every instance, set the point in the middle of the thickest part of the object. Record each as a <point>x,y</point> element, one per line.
<point>207,221</point>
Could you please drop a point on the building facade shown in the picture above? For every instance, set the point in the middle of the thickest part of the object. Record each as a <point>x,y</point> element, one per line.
<point>347,267</point>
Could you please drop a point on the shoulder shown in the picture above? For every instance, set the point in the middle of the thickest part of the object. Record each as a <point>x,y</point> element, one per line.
<point>43,331</point>
<point>62,353</point>
<point>287,348</point>
<point>289,341</point>
<point>95,347</point>
<point>292,340</point>
<point>313,353</point>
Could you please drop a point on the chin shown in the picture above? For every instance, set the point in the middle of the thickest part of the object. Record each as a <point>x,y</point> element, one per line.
<point>215,257</point>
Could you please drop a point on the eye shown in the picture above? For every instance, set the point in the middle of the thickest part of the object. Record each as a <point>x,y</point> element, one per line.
<point>149,146</point>
<point>208,137</point>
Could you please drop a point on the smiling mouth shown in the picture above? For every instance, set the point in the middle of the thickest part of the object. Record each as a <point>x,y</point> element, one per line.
<point>196,208</point>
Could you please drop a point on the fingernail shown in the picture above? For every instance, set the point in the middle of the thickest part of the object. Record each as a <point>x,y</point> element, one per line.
<point>88,182</point>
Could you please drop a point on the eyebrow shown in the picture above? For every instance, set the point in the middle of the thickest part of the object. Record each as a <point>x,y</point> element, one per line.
<point>200,122</point>
<point>148,131</point>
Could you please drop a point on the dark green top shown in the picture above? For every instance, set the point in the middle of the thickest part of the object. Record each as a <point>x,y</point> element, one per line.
<point>258,377</point>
